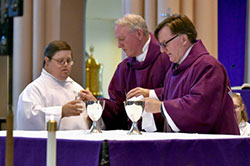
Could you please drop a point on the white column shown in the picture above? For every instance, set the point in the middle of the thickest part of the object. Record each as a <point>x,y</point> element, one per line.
<point>150,14</point>
<point>22,53</point>
<point>39,36</point>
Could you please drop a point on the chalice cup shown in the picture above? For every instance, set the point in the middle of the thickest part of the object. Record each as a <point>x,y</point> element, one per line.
<point>94,111</point>
<point>134,111</point>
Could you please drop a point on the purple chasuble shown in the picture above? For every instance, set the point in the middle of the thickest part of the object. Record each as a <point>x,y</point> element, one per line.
<point>130,74</point>
<point>196,95</point>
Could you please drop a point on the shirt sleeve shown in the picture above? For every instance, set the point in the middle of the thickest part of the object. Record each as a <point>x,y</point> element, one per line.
<point>152,94</point>
<point>32,113</point>
<point>169,119</point>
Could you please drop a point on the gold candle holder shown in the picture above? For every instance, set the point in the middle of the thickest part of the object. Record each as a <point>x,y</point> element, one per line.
<point>51,126</point>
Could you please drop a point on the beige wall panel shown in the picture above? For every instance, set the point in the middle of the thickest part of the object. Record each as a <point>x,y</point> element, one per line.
<point>72,32</point>
<point>187,8</point>
<point>163,6</point>
<point>38,36</point>
<point>206,24</point>
<point>133,6</point>
<point>150,14</point>
<point>52,17</point>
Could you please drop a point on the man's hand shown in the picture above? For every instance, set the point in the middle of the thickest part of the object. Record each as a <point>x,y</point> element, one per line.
<point>152,105</point>
<point>72,108</point>
<point>137,92</point>
<point>86,95</point>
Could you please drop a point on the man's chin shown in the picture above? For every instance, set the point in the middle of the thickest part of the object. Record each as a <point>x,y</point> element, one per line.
<point>65,74</point>
<point>130,55</point>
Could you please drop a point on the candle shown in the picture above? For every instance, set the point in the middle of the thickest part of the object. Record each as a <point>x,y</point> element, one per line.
<point>51,142</point>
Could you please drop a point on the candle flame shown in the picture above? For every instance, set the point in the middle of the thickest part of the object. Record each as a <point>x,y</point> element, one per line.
<point>52,117</point>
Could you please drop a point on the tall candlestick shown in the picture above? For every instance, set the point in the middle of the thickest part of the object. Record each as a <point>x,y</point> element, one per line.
<point>51,142</point>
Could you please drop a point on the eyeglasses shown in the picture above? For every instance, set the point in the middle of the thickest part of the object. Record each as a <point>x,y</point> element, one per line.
<point>64,61</point>
<point>164,44</point>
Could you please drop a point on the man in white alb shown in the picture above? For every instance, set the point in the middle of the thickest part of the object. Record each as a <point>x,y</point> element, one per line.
<point>52,94</point>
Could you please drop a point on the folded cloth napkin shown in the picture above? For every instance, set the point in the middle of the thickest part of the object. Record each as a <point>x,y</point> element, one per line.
<point>148,122</point>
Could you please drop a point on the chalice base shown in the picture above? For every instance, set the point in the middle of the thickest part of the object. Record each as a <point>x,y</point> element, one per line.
<point>134,130</point>
<point>94,129</point>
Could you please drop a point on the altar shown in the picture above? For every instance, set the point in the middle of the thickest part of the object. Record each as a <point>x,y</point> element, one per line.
<point>80,148</point>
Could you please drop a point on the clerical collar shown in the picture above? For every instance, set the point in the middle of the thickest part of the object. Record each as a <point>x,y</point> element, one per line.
<point>185,55</point>
<point>50,75</point>
<point>141,57</point>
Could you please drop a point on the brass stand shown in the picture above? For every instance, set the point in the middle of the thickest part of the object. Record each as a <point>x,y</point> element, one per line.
<point>9,138</point>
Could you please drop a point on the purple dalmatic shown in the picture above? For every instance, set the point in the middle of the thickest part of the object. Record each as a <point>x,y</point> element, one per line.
<point>130,74</point>
<point>196,95</point>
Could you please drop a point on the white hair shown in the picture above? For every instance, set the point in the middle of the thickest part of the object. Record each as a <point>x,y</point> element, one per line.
<point>134,22</point>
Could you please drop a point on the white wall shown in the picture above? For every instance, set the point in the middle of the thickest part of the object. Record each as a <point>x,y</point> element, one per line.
<point>100,17</point>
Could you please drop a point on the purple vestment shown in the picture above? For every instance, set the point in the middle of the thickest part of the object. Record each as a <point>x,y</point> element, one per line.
<point>196,95</point>
<point>130,74</point>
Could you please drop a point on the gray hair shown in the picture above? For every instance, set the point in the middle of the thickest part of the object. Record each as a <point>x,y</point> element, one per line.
<point>134,22</point>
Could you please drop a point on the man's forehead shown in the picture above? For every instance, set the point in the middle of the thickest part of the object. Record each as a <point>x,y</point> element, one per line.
<point>124,32</point>
<point>63,54</point>
<point>164,33</point>
<point>121,29</point>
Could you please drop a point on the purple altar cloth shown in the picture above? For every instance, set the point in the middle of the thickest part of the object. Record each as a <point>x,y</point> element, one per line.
<point>245,94</point>
<point>197,152</point>
<point>32,151</point>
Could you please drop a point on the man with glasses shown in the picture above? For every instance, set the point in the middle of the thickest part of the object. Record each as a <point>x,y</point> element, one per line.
<point>196,94</point>
<point>145,66</point>
<point>52,95</point>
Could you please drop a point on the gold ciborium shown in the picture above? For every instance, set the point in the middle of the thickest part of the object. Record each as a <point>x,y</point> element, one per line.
<point>93,75</point>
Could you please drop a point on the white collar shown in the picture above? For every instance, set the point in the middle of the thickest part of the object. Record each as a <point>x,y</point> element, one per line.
<point>185,55</point>
<point>142,56</point>
<point>68,79</point>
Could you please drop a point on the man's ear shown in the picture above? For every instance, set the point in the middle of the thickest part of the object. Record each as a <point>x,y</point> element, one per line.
<point>46,61</point>
<point>139,34</point>
<point>184,39</point>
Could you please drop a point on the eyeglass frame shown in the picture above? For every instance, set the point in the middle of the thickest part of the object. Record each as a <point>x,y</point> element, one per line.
<point>64,61</point>
<point>164,44</point>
